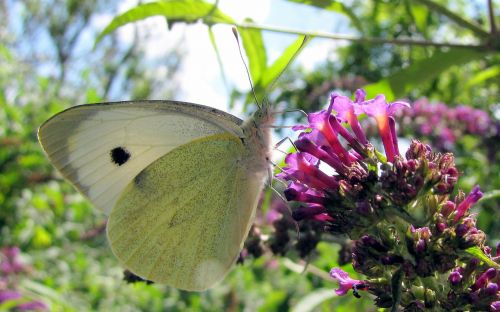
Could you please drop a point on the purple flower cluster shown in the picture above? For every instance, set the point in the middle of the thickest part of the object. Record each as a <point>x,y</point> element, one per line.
<point>444,125</point>
<point>10,267</point>
<point>408,235</point>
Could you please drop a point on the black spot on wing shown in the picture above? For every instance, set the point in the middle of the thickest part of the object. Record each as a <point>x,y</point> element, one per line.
<point>119,155</point>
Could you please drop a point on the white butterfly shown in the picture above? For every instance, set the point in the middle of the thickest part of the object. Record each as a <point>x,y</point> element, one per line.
<point>179,181</point>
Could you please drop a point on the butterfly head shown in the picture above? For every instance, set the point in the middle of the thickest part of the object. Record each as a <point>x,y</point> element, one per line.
<point>263,117</point>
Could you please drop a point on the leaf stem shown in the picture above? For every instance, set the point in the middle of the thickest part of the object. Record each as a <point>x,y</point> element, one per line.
<point>368,40</point>
<point>476,28</point>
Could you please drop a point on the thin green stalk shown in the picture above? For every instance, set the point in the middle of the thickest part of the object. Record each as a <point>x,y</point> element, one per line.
<point>367,40</point>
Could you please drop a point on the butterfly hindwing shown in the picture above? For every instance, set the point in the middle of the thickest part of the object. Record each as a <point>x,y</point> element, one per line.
<point>100,148</point>
<point>182,221</point>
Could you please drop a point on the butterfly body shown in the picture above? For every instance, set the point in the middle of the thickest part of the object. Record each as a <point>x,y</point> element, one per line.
<point>257,133</point>
<point>180,182</point>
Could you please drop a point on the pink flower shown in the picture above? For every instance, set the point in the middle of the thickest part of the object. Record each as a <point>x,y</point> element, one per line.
<point>495,306</point>
<point>379,109</point>
<point>346,283</point>
<point>9,261</point>
<point>484,279</point>
<point>470,200</point>
<point>326,124</point>
<point>302,167</point>
<point>346,113</point>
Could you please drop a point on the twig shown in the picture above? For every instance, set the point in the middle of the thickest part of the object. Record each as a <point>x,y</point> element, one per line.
<point>477,29</point>
<point>369,40</point>
<point>491,12</point>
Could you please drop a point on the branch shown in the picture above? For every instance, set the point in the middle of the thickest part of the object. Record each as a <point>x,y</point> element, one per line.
<point>476,28</point>
<point>367,40</point>
<point>491,12</point>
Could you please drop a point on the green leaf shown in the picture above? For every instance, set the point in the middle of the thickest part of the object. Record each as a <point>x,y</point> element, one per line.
<point>420,14</point>
<point>185,10</point>
<point>313,299</point>
<point>484,75</point>
<point>253,43</point>
<point>478,253</point>
<point>333,6</point>
<point>41,237</point>
<point>217,53</point>
<point>276,69</point>
<point>396,289</point>
<point>400,83</point>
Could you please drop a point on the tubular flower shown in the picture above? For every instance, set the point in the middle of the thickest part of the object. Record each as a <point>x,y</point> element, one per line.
<point>408,233</point>
<point>470,200</point>
<point>346,283</point>
<point>383,112</point>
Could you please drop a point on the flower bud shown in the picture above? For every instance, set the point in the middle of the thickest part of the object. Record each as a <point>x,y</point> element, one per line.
<point>456,276</point>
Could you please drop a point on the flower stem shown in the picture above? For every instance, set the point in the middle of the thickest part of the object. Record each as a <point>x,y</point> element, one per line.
<point>367,40</point>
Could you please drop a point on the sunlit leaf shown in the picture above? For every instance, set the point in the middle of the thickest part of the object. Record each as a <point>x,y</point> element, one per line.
<point>253,43</point>
<point>478,253</point>
<point>484,75</point>
<point>398,84</point>
<point>420,13</point>
<point>41,238</point>
<point>185,10</point>
<point>275,70</point>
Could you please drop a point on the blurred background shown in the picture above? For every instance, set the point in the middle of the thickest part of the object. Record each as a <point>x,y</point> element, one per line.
<point>441,56</point>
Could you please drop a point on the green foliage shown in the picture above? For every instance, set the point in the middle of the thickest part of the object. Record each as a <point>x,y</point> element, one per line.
<point>401,83</point>
<point>253,43</point>
<point>60,233</point>
<point>174,10</point>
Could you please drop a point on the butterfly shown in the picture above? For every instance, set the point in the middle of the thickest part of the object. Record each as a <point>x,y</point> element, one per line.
<point>180,182</point>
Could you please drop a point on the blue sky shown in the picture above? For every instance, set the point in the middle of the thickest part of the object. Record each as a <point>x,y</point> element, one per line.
<point>200,78</point>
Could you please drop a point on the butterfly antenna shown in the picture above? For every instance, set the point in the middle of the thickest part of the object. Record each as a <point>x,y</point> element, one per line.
<point>235,33</point>
<point>291,111</point>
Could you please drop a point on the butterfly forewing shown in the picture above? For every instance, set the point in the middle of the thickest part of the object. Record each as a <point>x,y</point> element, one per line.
<point>100,148</point>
